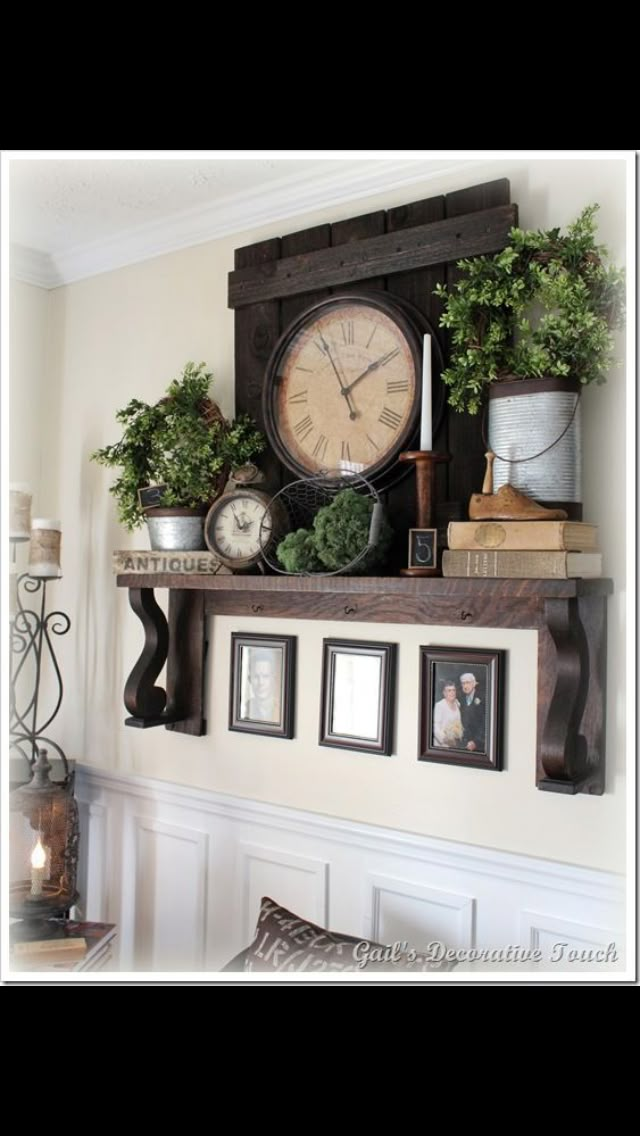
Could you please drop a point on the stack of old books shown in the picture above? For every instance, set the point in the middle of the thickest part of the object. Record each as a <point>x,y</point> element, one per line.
<point>61,944</point>
<point>535,550</point>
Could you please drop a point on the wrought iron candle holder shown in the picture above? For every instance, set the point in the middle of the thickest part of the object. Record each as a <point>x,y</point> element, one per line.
<point>32,631</point>
<point>43,813</point>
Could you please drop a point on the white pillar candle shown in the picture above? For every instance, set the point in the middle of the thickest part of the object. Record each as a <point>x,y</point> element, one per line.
<point>44,551</point>
<point>426,423</point>
<point>19,511</point>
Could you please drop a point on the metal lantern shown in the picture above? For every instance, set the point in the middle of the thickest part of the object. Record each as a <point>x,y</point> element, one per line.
<point>43,845</point>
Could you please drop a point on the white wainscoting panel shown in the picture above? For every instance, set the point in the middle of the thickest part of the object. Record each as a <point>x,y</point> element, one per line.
<point>565,940</point>
<point>400,909</point>
<point>182,871</point>
<point>170,896</point>
<point>300,882</point>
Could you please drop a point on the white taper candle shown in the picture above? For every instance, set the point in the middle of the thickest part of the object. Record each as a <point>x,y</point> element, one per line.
<point>426,422</point>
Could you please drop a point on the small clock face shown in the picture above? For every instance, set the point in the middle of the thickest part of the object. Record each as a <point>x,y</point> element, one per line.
<point>237,528</point>
<point>343,387</point>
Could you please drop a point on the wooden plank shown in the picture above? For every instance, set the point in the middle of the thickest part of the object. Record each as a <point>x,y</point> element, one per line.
<point>303,243</point>
<point>370,607</point>
<point>465,431</point>
<point>417,287</point>
<point>462,587</point>
<point>185,662</point>
<point>418,247</point>
<point>256,331</point>
<point>487,195</point>
<point>359,229</point>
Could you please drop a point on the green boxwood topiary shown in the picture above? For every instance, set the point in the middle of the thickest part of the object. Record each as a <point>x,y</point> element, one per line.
<point>545,305</point>
<point>182,442</point>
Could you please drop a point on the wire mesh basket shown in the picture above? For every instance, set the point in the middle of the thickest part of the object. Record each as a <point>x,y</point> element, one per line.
<point>300,501</point>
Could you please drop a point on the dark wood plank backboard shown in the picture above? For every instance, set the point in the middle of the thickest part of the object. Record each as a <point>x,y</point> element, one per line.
<point>406,250</point>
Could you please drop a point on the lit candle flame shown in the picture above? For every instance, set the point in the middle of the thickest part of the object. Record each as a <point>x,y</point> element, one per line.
<point>38,856</point>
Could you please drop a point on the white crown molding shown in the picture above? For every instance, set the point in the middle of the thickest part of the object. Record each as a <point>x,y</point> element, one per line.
<point>33,267</point>
<point>289,197</point>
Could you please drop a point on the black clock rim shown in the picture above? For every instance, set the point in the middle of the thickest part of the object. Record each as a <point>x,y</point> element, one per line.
<point>414,325</point>
<point>238,563</point>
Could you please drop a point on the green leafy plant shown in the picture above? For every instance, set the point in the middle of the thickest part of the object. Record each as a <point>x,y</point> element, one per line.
<point>545,305</point>
<point>340,533</point>
<point>182,442</point>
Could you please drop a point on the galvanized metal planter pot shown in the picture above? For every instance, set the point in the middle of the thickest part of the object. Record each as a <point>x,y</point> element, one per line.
<point>176,530</point>
<point>535,431</point>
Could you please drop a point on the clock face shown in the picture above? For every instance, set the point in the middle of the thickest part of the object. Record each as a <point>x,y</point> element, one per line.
<point>237,527</point>
<point>342,389</point>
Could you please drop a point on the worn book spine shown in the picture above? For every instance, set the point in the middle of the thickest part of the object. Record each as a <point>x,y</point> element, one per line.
<point>50,948</point>
<point>184,563</point>
<point>521,565</point>
<point>562,536</point>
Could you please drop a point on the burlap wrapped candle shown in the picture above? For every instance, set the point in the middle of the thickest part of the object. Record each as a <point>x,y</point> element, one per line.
<point>19,511</point>
<point>44,550</point>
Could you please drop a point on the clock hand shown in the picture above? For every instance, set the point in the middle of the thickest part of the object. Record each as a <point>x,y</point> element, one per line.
<point>372,367</point>
<point>345,392</point>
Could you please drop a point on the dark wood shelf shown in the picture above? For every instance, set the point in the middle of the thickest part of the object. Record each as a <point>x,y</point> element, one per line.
<point>397,585</point>
<point>569,616</point>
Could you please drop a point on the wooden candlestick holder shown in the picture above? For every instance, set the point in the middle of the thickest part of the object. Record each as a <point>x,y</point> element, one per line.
<point>425,462</point>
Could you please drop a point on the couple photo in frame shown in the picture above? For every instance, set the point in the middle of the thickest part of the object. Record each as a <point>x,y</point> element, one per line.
<point>461,706</point>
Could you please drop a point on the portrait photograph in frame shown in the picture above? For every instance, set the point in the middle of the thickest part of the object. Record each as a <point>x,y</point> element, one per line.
<point>358,695</point>
<point>261,694</point>
<point>461,706</point>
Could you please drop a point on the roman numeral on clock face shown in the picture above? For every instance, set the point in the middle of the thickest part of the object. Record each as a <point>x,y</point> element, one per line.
<point>320,448</point>
<point>396,386</point>
<point>300,397</point>
<point>303,428</point>
<point>390,418</point>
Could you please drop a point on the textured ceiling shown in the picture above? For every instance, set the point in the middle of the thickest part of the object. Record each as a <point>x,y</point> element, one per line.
<point>60,204</point>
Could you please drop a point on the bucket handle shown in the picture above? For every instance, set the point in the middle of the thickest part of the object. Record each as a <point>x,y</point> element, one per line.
<point>531,457</point>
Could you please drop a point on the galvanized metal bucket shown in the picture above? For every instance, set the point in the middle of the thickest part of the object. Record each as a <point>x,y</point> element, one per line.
<point>535,431</point>
<point>176,530</point>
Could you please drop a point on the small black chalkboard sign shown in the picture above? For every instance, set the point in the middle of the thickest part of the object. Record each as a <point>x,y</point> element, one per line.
<point>151,495</point>
<point>423,548</point>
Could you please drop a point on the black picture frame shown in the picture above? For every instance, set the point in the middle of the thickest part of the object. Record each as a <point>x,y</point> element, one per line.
<point>350,668</point>
<point>423,548</point>
<point>454,730</point>
<point>262,681</point>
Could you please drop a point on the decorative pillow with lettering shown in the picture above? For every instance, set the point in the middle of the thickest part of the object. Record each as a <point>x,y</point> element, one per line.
<point>284,942</point>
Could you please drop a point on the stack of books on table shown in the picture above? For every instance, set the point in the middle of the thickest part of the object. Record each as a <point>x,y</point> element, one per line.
<point>61,944</point>
<point>525,550</point>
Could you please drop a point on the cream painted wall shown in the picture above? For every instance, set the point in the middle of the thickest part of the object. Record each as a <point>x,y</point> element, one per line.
<point>29,388</point>
<point>128,333</point>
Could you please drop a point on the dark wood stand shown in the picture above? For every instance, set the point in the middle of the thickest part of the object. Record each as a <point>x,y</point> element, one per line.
<point>570,617</point>
<point>425,462</point>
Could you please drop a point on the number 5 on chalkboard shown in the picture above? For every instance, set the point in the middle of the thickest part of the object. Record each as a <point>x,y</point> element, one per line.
<point>423,548</point>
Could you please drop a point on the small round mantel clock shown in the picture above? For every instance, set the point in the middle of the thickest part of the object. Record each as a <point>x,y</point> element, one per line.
<point>244,522</point>
<point>343,385</point>
<point>238,526</point>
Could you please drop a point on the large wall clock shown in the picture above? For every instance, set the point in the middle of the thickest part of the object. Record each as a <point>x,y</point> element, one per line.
<point>344,384</point>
